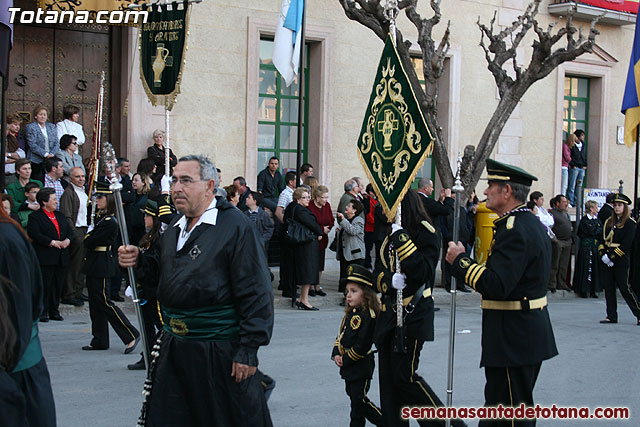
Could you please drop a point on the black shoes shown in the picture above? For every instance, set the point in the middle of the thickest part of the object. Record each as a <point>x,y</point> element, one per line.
<point>56,316</point>
<point>552,290</point>
<point>302,306</point>
<point>312,293</point>
<point>44,319</point>
<point>607,320</point>
<point>129,348</point>
<point>138,366</point>
<point>91,348</point>
<point>83,297</point>
<point>321,293</point>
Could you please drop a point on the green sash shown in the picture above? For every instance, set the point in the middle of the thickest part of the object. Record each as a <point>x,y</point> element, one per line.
<point>33,353</point>
<point>214,323</point>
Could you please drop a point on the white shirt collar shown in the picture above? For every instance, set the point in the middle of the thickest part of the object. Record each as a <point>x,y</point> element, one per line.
<point>592,216</point>
<point>209,216</point>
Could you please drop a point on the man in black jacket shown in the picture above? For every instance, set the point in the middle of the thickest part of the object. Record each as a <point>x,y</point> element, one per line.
<point>271,184</point>
<point>577,166</point>
<point>436,209</point>
<point>516,330</point>
<point>217,307</point>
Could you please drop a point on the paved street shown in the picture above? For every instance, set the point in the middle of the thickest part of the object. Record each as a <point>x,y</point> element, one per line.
<point>597,366</point>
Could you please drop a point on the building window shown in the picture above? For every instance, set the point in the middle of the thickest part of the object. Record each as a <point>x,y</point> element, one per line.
<point>428,169</point>
<point>576,106</point>
<point>278,113</point>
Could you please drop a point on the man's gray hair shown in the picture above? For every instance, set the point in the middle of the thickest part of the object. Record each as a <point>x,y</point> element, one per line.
<point>207,168</point>
<point>424,182</point>
<point>520,191</point>
<point>350,185</point>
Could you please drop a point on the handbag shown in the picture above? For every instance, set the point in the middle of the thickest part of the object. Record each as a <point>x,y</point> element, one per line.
<point>297,232</point>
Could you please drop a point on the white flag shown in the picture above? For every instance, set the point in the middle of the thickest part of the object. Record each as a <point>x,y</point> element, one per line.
<point>286,53</point>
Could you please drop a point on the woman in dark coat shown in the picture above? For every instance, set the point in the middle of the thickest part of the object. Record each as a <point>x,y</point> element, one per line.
<point>305,255</point>
<point>51,235</point>
<point>586,279</point>
<point>156,152</point>
<point>321,209</point>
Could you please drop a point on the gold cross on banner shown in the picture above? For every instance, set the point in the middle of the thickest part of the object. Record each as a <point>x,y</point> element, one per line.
<point>387,126</point>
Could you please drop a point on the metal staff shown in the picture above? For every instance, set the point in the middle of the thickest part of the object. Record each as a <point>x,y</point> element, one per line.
<point>116,187</point>
<point>391,11</point>
<point>94,168</point>
<point>167,145</point>
<point>458,189</point>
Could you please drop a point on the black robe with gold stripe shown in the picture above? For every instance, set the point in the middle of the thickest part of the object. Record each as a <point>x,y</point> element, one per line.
<point>517,269</point>
<point>354,344</point>
<point>418,256</point>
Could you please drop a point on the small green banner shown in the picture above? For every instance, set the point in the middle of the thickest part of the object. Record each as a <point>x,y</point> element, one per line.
<point>162,48</point>
<point>395,139</point>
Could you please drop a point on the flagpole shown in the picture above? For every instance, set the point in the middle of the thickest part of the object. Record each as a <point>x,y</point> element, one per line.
<point>635,178</point>
<point>301,86</point>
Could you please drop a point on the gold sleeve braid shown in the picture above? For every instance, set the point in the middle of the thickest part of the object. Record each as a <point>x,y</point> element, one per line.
<point>473,274</point>
<point>406,250</point>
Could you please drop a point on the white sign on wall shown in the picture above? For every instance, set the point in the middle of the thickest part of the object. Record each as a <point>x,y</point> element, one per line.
<point>597,194</point>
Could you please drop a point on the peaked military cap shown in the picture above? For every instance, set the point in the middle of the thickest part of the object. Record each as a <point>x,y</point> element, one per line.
<point>102,188</point>
<point>150,208</point>
<point>359,274</point>
<point>621,198</point>
<point>498,171</point>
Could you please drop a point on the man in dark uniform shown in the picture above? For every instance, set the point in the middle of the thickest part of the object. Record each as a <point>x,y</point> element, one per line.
<point>516,330</point>
<point>217,308</point>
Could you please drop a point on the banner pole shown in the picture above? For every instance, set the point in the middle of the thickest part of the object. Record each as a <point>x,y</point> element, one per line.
<point>167,144</point>
<point>635,177</point>
<point>301,87</point>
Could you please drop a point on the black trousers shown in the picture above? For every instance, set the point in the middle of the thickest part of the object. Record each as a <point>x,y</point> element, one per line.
<point>152,323</point>
<point>369,240</point>
<point>509,387</point>
<point>54,278</point>
<point>362,408</point>
<point>75,278</point>
<point>617,277</point>
<point>104,312</point>
<point>400,385</point>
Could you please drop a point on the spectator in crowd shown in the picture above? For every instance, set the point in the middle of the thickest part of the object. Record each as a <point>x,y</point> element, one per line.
<point>305,170</point>
<point>351,238</point>
<point>15,148</point>
<point>543,215</point>
<point>321,210</point>
<point>17,189</point>
<point>286,196</point>
<point>51,235</point>
<point>304,260</point>
<point>577,166</point>
<point>7,206</point>
<point>532,207</point>
<point>614,250</point>
<point>260,217</point>
<point>125,167</point>
<point>607,209</point>
<point>351,192</point>
<point>73,205</point>
<point>586,280</point>
<point>69,155</point>
<point>311,182</point>
<point>243,192</point>
<point>53,177</point>
<point>141,189</point>
<point>561,245</point>
<point>270,184</point>
<point>219,189</point>
<point>232,194</point>
<point>369,201</point>
<point>42,140</point>
<point>71,126</point>
<point>30,204</point>
<point>156,152</point>
<point>436,210</point>
<point>147,167</point>
<point>567,146</point>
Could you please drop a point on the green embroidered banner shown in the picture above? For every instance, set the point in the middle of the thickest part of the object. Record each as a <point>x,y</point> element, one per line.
<point>395,139</point>
<point>162,47</point>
